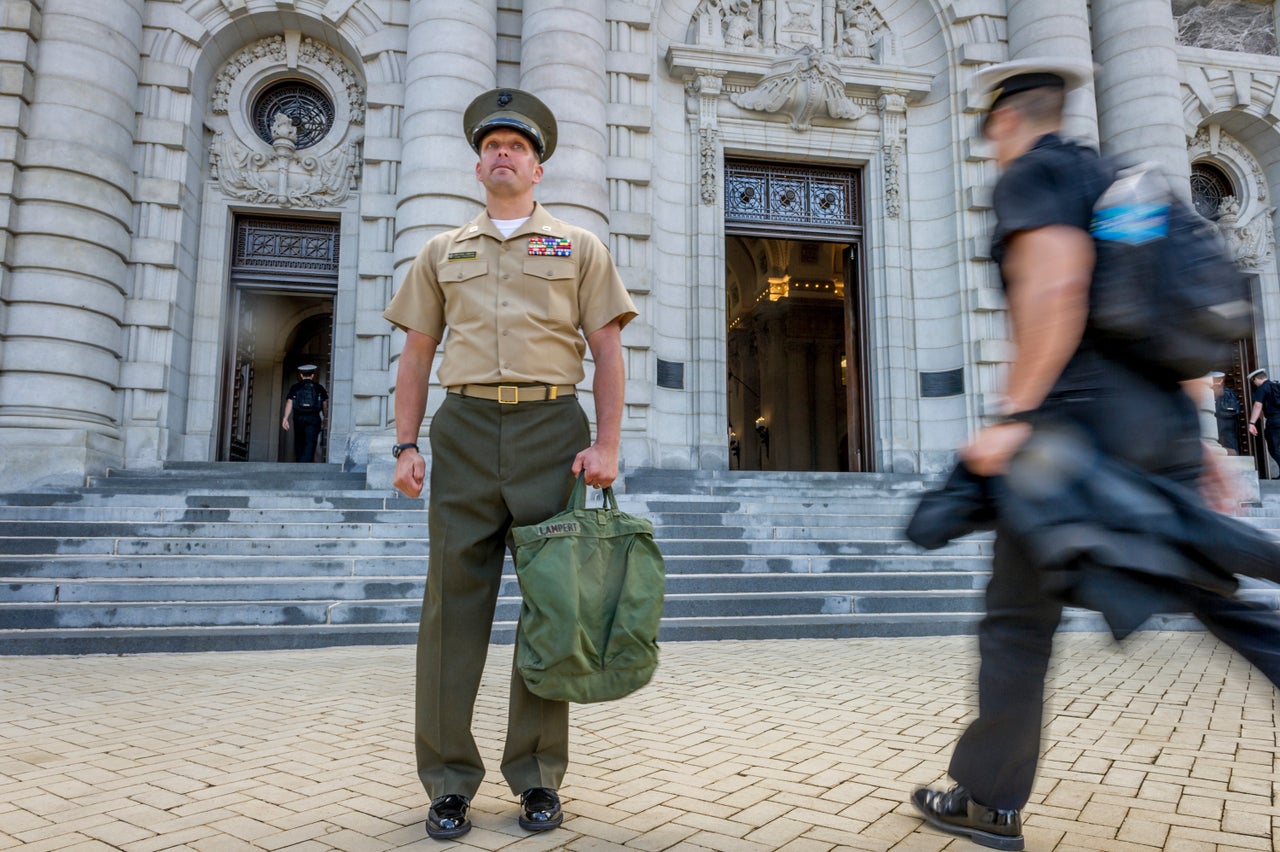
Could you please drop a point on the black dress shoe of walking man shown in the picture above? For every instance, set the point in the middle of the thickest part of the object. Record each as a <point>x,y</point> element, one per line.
<point>956,812</point>
<point>448,817</point>
<point>540,809</point>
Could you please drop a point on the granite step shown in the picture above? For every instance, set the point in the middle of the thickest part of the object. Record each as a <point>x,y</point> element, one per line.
<point>221,557</point>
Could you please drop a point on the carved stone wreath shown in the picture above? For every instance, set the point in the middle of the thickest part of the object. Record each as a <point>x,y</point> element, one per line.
<point>273,48</point>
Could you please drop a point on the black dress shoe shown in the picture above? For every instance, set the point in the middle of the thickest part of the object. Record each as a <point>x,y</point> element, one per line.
<point>540,809</point>
<point>956,812</point>
<point>448,817</point>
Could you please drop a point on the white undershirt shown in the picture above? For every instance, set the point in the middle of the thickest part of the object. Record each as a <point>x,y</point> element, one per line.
<point>507,227</point>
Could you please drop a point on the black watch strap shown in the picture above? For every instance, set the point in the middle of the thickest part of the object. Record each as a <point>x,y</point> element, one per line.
<point>400,448</point>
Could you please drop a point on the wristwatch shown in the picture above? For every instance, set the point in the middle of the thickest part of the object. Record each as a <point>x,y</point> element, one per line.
<point>400,448</point>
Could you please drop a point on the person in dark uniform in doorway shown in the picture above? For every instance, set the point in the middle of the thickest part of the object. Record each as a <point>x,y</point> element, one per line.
<point>523,296</point>
<point>1266,406</point>
<point>1059,380</point>
<point>305,405</point>
<point>1227,409</point>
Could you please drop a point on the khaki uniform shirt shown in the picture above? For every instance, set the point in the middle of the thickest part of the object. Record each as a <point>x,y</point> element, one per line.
<point>514,307</point>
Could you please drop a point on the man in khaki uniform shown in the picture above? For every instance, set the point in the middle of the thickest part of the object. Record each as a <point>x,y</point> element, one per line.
<point>518,290</point>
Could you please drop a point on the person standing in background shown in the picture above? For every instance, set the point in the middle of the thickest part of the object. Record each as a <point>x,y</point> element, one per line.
<point>1227,409</point>
<point>305,405</point>
<point>1266,406</point>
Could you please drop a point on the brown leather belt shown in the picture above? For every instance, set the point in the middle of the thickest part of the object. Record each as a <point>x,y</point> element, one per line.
<point>513,394</point>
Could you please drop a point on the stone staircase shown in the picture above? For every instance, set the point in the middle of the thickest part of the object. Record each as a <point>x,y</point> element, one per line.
<point>239,556</point>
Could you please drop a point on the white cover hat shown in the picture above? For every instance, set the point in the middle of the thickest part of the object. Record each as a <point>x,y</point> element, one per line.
<point>1019,75</point>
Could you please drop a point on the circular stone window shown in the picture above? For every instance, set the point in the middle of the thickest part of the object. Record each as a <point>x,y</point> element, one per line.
<point>308,108</point>
<point>1210,186</point>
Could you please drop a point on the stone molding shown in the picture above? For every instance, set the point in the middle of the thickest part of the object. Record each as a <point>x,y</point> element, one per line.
<point>686,62</point>
<point>801,86</point>
<point>247,168</point>
<point>1215,82</point>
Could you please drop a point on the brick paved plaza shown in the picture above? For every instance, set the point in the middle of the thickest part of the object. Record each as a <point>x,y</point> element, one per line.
<point>796,745</point>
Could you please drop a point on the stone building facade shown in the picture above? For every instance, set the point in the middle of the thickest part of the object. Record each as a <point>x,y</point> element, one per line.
<point>196,196</point>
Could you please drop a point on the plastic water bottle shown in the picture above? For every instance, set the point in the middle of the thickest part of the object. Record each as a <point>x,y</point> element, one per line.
<point>1135,208</point>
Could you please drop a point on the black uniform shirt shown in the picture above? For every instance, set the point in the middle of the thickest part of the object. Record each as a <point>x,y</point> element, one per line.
<point>1055,183</point>
<point>1265,394</point>
<point>320,393</point>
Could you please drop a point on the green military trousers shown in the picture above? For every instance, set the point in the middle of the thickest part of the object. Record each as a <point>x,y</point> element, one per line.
<point>492,466</point>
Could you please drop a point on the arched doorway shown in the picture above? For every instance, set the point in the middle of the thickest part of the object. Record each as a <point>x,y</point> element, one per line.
<point>284,277</point>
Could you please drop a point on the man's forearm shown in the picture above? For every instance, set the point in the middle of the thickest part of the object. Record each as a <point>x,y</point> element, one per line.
<point>1049,271</point>
<point>609,384</point>
<point>413,375</point>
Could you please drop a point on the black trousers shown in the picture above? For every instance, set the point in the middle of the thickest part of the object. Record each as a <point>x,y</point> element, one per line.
<point>1157,429</point>
<point>1272,437</point>
<point>1228,437</point>
<point>306,435</point>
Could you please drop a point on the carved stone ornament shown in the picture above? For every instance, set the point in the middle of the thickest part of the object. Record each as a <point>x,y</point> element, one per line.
<point>892,180</point>
<point>802,86</point>
<point>1251,243</point>
<point>280,172</point>
<point>733,24</point>
<point>285,179</point>
<point>849,29</point>
<point>274,48</point>
<point>893,116</point>
<point>860,29</point>
<point>707,163</point>
<point>1213,141</point>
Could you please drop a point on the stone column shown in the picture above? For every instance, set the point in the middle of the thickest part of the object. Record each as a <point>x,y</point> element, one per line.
<point>562,61</point>
<point>60,406</point>
<point>1139,101</point>
<point>1058,28</point>
<point>19,28</point>
<point>452,57</point>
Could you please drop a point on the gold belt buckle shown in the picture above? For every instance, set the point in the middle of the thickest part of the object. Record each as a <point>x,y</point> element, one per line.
<point>508,394</point>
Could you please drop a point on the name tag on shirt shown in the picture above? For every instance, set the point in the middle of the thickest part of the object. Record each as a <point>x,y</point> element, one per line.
<point>461,255</point>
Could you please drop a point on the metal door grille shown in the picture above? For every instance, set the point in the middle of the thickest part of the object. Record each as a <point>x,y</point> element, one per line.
<point>761,198</point>
<point>286,245</point>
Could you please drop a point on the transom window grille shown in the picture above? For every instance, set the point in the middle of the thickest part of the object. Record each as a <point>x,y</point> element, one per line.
<point>308,108</point>
<point>278,245</point>
<point>760,197</point>
<point>1210,186</point>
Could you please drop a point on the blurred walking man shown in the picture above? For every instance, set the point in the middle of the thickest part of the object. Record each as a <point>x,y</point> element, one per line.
<point>1044,205</point>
